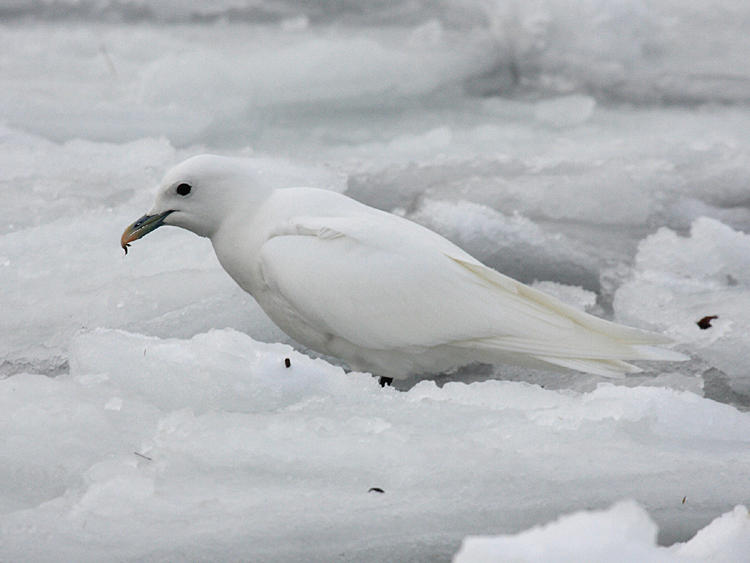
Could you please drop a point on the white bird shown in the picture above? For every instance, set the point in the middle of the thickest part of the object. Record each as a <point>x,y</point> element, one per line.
<point>382,293</point>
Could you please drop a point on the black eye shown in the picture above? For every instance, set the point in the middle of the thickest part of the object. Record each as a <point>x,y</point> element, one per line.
<point>184,189</point>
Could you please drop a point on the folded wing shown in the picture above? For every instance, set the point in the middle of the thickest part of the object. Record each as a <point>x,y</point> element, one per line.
<point>381,282</point>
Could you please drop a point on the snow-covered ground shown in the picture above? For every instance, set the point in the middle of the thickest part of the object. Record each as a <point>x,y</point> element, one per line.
<point>599,151</point>
<point>623,534</point>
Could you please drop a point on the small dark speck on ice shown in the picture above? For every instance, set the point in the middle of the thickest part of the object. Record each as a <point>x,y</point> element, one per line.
<point>705,322</point>
<point>287,362</point>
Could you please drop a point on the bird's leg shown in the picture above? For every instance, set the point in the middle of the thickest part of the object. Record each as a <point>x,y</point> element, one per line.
<point>385,381</point>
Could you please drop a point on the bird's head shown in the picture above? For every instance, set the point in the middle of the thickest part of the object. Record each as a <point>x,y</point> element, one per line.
<point>198,195</point>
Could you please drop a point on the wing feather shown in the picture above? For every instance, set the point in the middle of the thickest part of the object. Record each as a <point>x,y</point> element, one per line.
<point>382,282</point>
<point>361,283</point>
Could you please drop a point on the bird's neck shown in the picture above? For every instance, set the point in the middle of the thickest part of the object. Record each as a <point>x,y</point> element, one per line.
<point>237,243</point>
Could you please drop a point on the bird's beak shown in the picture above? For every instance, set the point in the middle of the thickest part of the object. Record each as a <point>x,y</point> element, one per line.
<point>142,227</point>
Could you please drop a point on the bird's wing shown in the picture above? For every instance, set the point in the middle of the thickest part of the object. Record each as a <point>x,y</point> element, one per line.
<point>372,281</point>
<point>382,282</point>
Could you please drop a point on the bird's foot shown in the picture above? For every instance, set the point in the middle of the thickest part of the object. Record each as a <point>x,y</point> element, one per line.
<point>385,381</point>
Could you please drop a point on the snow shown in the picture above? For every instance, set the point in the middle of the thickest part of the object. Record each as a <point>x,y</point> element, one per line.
<point>622,533</point>
<point>598,151</point>
<point>218,450</point>
<point>703,275</point>
<point>565,110</point>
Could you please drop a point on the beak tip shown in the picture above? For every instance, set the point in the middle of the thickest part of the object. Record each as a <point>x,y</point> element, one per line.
<point>126,239</point>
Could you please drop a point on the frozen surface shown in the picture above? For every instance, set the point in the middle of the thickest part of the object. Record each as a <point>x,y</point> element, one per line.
<point>665,51</point>
<point>623,533</point>
<point>246,459</point>
<point>598,151</point>
<point>677,281</point>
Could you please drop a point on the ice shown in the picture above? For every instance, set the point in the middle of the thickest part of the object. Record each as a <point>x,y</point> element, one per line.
<point>125,82</point>
<point>663,52</point>
<point>219,451</point>
<point>677,281</point>
<point>598,151</point>
<point>514,245</point>
<point>726,539</point>
<point>565,111</point>
<point>622,533</point>
<point>660,52</point>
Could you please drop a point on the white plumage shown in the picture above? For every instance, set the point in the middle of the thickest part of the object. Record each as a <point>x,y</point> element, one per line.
<point>380,292</point>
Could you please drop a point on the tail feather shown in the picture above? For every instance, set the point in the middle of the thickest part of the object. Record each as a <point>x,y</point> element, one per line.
<point>568,337</point>
<point>622,333</point>
<point>659,354</point>
<point>590,353</point>
<point>579,345</point>
<point>530,296</point>
<point>605,368</point>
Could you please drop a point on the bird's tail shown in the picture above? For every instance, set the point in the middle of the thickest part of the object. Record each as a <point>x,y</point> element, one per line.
<point>616,368</point>
<point>589,353</point>
<point>571,338</point>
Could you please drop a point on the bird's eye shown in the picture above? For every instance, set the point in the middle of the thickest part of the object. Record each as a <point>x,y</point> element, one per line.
<point>184,189</point>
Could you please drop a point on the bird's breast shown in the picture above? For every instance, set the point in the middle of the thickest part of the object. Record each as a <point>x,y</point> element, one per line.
<point>239,256</point>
